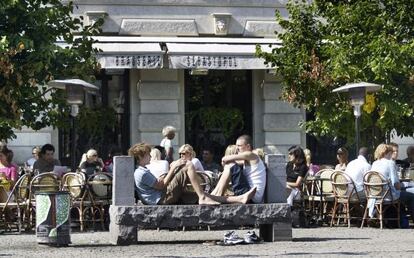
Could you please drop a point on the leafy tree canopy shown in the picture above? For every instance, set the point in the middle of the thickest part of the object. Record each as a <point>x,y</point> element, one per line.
<point>30,57</point>
<point>329,43</point>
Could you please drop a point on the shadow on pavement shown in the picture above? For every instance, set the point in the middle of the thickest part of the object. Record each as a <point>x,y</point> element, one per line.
<point>329,253</point>
<point>322,239</point>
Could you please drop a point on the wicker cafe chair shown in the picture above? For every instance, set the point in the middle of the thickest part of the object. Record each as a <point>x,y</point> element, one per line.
<point>4,182</point>
<point>41,183</point>
<point>14,207</point>
<point>204,180</point>
<point>323,190</point>
<point>100,190</point>
<point>101,186</point>
<point>75,184</point>
<point>346,197</point>
<point>378,190</point>
<point>309,193</point>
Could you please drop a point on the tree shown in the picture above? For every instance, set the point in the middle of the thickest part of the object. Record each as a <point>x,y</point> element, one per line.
<point>30,58</point>
<point>326,44</point>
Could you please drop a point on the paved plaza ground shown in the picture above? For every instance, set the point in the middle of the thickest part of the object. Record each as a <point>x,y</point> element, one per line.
<point>310,242</point>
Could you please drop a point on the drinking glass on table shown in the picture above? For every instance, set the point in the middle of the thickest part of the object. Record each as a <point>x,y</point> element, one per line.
<point>407,174</point>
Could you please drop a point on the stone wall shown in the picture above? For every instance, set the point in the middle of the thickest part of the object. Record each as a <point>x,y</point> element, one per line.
<point>157,100</point>
<point>276,122</point>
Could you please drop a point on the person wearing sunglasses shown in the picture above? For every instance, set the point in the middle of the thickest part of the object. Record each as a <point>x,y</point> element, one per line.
<point>35,156</point>
<point>91,163</point>
<point>187,152</point>
<point>168,190</point>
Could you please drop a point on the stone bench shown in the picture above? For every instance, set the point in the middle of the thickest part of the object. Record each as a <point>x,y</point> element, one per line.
<point>273,218</point>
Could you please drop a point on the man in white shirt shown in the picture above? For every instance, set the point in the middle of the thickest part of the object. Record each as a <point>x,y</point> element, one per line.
<point>357,168</point>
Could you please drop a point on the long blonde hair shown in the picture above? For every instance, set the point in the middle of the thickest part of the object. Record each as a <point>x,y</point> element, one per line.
<point>155,154</point>
<point>382,150</point>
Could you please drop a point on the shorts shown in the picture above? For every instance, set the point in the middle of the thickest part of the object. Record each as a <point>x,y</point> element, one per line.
<point>238,180</point>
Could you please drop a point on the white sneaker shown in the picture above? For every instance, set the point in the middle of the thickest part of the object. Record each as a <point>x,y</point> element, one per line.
<point>250,237</point>
<point>230,238</point>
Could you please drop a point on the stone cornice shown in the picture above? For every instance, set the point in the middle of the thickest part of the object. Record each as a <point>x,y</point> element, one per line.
<point>217,3</point>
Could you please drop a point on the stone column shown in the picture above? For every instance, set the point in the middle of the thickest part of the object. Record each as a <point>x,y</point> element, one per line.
<point>276,193</point>
<point>122,195</point>
<point>276,178</point>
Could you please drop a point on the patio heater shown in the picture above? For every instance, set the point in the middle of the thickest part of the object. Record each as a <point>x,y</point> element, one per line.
<point>357,93</point>
<point>75,90</point>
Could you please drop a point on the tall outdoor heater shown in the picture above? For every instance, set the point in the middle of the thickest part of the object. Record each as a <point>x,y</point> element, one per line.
<point>357,93</point>
<point>75,90</point>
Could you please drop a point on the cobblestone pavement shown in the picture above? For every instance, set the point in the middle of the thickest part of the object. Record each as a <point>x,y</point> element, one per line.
<point>312,242</point>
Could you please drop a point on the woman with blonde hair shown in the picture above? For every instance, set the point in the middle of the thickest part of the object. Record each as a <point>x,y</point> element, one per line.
<point>157,166</point>
<point>231,170</point>
<point>312,169</point>
<point>187,152</point>
<point>91,163</point>
<point>386,166</point>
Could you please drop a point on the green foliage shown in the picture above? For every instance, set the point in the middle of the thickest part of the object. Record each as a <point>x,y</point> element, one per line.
<point>327,44</point>
<point>94,122</point>
<point>226,119</point>
<point>30,57</point>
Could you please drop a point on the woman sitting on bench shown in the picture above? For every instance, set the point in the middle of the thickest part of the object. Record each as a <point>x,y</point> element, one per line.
<point>244,169</point>
<point>168,189</point>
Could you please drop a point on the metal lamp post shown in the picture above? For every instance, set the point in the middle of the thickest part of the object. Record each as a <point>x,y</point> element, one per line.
<point>357,93</point>
<point>75,89</point>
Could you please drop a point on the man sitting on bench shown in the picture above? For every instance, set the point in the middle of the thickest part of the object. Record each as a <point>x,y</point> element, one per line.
<point>168,189</point>
<point>244,169</point>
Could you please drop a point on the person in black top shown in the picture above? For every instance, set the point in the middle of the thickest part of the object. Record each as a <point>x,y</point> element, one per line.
<point>296,170</point>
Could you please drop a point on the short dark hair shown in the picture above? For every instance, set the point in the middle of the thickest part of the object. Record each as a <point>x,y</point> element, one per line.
<point>47,147</point>
<point>363,151</point>
<point>209,149</point>
<point>247,139</point>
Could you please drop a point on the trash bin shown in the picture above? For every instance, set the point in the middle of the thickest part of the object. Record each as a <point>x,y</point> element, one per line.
<point>53,218</point>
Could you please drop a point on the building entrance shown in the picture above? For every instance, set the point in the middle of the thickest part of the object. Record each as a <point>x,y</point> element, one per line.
<point>218,108</point>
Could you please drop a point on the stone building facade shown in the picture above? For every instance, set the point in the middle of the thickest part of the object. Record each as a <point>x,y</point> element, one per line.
<point>152,45</point>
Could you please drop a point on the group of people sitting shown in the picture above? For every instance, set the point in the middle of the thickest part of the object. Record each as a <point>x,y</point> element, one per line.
<point>241,165</point>
<point>385,163</point>
<point>43,160</point>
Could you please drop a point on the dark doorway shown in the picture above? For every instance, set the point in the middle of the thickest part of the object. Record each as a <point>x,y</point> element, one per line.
<point>218,108</point>
<point>110,110</point>
<point>324,148</point>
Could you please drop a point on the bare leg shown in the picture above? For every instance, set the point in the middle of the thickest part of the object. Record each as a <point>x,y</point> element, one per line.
<point>223,182</point>
<point>203,198</point>
<point>243,199</point>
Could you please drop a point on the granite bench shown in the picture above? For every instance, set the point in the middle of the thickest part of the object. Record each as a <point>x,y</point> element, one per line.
<point>272,217</point>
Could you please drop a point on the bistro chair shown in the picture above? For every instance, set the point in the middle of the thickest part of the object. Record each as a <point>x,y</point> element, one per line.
<point>4,182</point>
<point>14,205</point>
<point>100,193</point>
<point>378,193</point>
<point>346,197</point>
<point>41,183</point>
<point>322,191</point>
<point>75,184</point>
